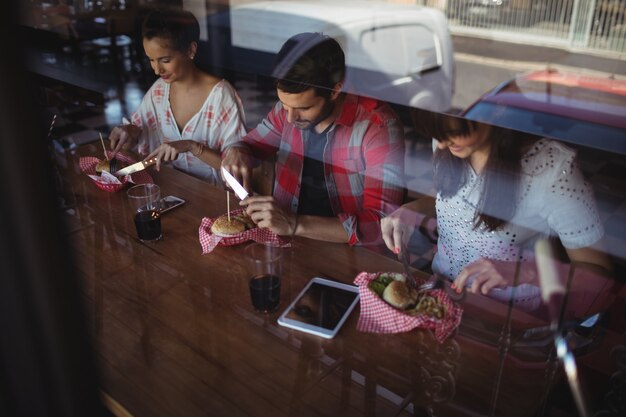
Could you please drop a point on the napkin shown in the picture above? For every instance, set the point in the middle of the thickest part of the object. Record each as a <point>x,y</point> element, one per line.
<point>105,178</point>
<point>379,317</point>
<point>209,241</point>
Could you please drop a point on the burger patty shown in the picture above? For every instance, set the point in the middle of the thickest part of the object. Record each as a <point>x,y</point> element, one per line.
<point>237,224</point>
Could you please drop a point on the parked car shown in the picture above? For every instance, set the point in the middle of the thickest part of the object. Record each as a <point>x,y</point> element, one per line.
<point>394,52</point>
<point>580,109</point>
<point>480,12</point>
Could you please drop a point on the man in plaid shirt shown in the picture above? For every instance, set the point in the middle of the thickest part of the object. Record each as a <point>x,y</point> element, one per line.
<point>339,157</point>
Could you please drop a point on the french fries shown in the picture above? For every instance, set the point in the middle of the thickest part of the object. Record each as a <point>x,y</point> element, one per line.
<point>428,305</point>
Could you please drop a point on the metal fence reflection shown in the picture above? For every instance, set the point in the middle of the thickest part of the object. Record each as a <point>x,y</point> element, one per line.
<point>597,25</point>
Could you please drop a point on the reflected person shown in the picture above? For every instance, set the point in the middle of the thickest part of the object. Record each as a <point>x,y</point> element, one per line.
<point>498,192</point>
<point>339,157</point>
<point>187,116</point>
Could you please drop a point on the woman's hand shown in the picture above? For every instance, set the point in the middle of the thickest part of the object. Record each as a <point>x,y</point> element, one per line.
<point>266,213</point>
<point>123,137</point>
<point>398,227</point>
<point>169,151</point>
<point>487,274</point>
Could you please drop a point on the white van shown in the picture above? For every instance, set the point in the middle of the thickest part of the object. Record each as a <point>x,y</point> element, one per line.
<point>394,52</point>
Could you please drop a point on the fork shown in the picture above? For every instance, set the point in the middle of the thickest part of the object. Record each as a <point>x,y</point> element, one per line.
<point>113,165</point>
<point>404,257</point>
<point>428,285</point>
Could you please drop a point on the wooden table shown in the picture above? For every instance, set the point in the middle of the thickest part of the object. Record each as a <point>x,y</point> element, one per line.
<point>176,335</point>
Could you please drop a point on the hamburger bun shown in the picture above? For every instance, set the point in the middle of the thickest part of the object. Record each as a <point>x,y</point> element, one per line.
<point>399,294</point>
<point>103,165</point>
<point>224,228</point>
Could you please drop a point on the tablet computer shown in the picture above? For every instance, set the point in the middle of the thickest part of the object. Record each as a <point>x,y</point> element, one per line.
<point>321,308</point>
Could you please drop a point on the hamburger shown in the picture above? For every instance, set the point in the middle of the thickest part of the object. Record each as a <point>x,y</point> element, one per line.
<point>395,290</point>
<point>400,295</point>
<point>237,224</point>
<point>108,166</point>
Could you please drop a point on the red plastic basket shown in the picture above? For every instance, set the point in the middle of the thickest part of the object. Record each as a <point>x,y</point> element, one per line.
<point>379,317</point>
<point>88,166</point>
<point>209,241</point>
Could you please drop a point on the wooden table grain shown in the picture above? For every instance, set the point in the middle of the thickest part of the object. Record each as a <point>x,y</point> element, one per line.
<point>175,333</point>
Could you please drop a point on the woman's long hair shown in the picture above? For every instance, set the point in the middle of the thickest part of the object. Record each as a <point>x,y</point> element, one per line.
<point>501,176</point>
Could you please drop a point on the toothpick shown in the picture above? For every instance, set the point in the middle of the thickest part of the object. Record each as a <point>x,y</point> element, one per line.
<point>228,204</point>
<point>104,147</point>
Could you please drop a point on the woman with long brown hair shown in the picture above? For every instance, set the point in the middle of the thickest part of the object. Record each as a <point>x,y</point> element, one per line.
<point>498,192</point>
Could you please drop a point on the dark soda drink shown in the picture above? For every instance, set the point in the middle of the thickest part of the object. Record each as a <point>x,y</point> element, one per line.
<point>148,224</point>
<point>265,292</point>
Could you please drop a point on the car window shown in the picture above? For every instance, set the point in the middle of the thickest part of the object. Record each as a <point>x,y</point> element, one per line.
<point>416,48</point>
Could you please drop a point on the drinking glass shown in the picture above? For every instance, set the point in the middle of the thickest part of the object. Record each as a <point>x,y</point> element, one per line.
<point>265,268</point>
<point>145,201</point>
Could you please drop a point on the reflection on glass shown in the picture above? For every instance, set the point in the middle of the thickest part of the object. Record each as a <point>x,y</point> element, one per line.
<point>582,110</point>
<point>398,53</point>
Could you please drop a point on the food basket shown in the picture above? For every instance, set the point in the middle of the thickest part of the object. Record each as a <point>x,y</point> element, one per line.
<point>377,316</point>
<point>107,183</point>
<point>210,241</point>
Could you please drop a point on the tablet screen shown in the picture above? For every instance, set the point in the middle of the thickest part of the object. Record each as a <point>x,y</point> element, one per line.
<point>322,306</point>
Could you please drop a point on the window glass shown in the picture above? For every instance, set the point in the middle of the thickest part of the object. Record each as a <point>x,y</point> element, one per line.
<point>430,80</point>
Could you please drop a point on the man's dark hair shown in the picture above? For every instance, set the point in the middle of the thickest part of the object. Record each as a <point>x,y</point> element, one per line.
<point>178,27</point>
<point>309,60</point>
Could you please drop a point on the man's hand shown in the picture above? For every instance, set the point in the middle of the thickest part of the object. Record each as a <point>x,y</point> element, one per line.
<point>266,213</point>
<point>169,151</point>
<point>238,162</point>
<point>124,137</point>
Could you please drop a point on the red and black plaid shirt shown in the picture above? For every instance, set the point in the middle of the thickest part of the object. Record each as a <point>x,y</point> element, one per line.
<point>363,163</point>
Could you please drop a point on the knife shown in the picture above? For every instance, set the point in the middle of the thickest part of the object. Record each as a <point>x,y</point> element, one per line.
<point>234,184</point>
<point>138,166</point>
<point>444,282</point>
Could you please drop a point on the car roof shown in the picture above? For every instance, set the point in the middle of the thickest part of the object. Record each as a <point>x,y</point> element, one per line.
<point>582,109</point>
<point>583,97</point>
<point>340,13</point>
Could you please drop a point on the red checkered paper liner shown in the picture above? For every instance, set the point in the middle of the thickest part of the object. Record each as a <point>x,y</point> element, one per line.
<point>379,317</point>
<point>88,166</point>
<point>209,241</point>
